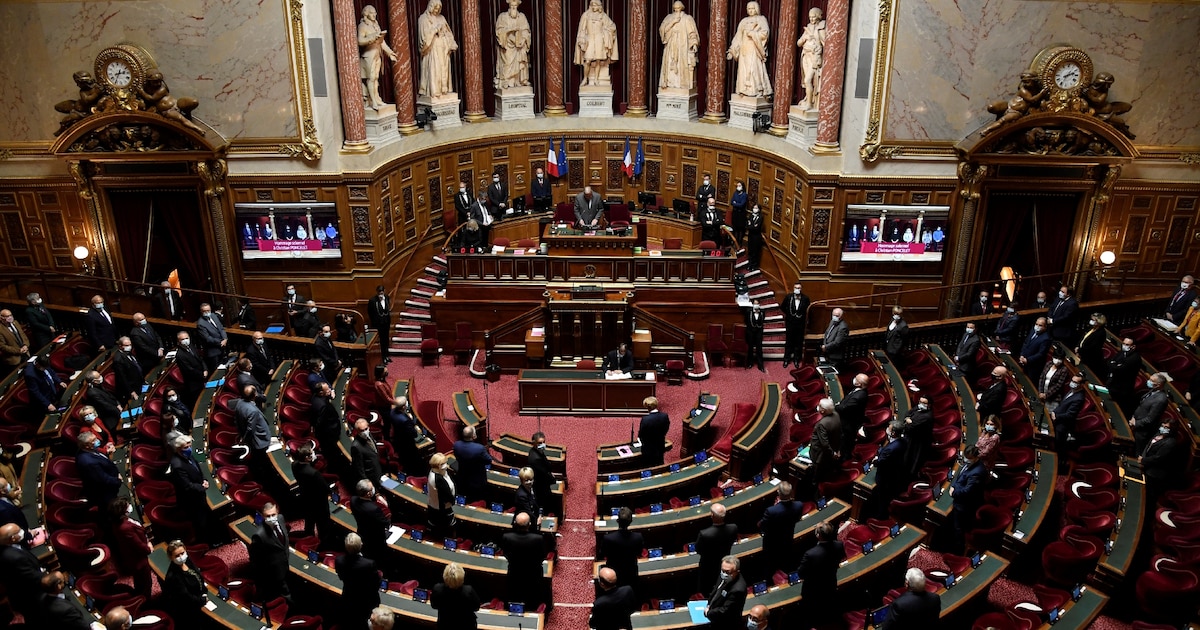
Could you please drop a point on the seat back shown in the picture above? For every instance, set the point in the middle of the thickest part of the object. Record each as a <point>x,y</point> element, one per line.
<point>564,212</point>
<point>673,242</point>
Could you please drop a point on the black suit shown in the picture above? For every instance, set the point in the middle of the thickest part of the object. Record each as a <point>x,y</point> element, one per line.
<point>483,215</point>
<point>130,375</point>
<point>524,552</point>
<point>184,595</point>
<point>373,527</point>
<point>42,392</point>
<point>853,411</point>
<point>327,426</point>
<point>1064,418</point>
<point>1179,304</point>
<point>99,328</point>
<point>983,307</point>
<point>964,355</point>
<point>795,314</point>
<point>269,562</point>
<point>328,354</point>
<point>456,607</point>
<point>1148,415</point>
<point>1091,351</point>
<point>106,404</point>
<point>1164,463</point>
<point>246,318</point>
<point>525,501</point>
<point>379,309</point>
<point>1063,312</point>
<point>653,433</point>
<point>542,194</point>
<point>360,589</point>
<point>101,480</point>
<point>711,220</point>
<point>462,205</point>
<point>190,494</point>
<point>891,477</point>
<point>614,361</point>
<point>261,362</point>
<point>404,439</point>
<point>621,550</point>
<point>20,577</point>
<point>169,305</point>
<point>712,544</point>
<point>294,306</point>
<point>612,609</point>
<point>1123,370</point>
<point>703,192</point>
<point>894,338</point>
<point>146,346</point>
<point>991,401</point>
<point>40,320</point>
<point>314,498</point>
<point>58,613</point>
<point>497,194</point>
<point>920,439</point>
<point>818,569</point>
<point>754,239</point>
<point>543,480</point>
<point>473,459</point>
<point>778,527</point>
<point>364,457</point>
<point>306,324</point>
<point>192,367</point>
<point>755,321</point>
<point>725,604</point>
<point>914,611</point>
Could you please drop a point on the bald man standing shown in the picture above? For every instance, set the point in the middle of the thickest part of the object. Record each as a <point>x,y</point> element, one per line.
<point>713,543</point>
<point>614,604</point>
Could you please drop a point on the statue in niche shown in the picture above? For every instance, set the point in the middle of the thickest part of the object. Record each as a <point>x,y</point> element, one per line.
<point>89,95</point>
<point>157,98</point>
<point>436,42</point>
<point>680,39</point>
<point>749,48</point>
<point>512,48</point>
<point>372,47</point>
<point>812,57</point>
<point>596,45</point>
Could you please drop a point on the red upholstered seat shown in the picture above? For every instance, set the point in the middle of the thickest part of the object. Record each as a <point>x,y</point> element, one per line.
<point>526,243</point>
<point>463,342</point>
<point>1168,590</point>
<point>742,414</point>
<point>564,212</point>
<point>675,369</point>
<point>429,352</point>
<point>500,241</point>
<point>585,364</point>
<point>706,246</point>
<point>990,523</point>
<point>672,242</point>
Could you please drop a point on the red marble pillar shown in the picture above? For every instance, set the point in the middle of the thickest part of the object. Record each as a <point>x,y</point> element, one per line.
<point>402,68</point>
<point>718,27</point>
<point>637,60</point>
<point>472,52</point>
<point>833,76</point>
<point>785,65</point>
<point>554,59</point>
<point>345,34</point>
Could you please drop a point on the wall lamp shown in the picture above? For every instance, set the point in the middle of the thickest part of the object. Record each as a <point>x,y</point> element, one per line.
<point>84,256</point>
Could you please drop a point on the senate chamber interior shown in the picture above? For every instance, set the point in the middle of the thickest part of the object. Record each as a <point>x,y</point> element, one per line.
<point>848,314</point>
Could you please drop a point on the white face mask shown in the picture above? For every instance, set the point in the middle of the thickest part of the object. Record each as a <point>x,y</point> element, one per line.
<point>970,331</point>
<point>739,189</point>
<point>127,348</point>
<point>100,305</point>
<point>185,342</point>
<point>796,292</point>
<point>895,318</point>
<point>1074,385</point>
<point>1038,328</point>
<point>983,298</point>
<point>707,182</point>
<point>312,310</point>
<point>207,315</point>
<point>835,319</point>
<point>172,398</point>
<point>1057,361</point>
<point>129,509</point>
<point>922,406</point>
<point>259,341</point>
<point>1011,310</point>
<point>1091,322</point>
<point>89,418</point>
<point>291,292</point>
<point>1126,347</point>
<point>326,335</point>
<point>181,559</point>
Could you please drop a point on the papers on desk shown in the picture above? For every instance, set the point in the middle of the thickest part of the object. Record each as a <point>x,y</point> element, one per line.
<point>275,445</point>
<point>617,376</point>
<point>708,406</point>
<point>388,482</point>
<point>1166,325</point>
<point>497,249</point>
<point>538,331</point>
<point>654,252</point>
<point>1098,388</point>
<point>210,605</point>
<point>396,533</point>
<point>803,455</point>
<point>624,451</point>
<point>197,422</point>
<point>696,611</point>
<point>169,355</point>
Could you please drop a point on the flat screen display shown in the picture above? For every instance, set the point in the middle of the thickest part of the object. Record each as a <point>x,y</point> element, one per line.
<point>879,233</point>
<point>288,230</point>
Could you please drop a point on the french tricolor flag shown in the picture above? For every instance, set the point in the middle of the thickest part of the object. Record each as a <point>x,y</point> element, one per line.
<point>552,160</point>
<point>628,164</point>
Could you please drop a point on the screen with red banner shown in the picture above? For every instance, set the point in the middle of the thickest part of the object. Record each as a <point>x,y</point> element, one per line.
<point>288,230</point>
<point>879,233</point>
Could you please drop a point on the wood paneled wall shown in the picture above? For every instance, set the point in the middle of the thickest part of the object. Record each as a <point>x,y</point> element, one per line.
<point>41,223</point>
<point>1155,232</point>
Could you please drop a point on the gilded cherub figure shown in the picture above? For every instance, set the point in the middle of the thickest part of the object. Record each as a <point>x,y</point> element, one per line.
<point>158,99</point>
<point>1096,95</point>
<point>1031,93</point>
<point>89,95</point>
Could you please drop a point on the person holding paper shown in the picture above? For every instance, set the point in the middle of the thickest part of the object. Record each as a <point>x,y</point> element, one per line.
<point>728,597</point>
<point>618,361</point>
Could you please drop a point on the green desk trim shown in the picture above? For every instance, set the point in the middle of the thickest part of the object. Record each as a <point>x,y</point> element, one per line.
<point>970,418</point>
<point>273,394</point>
<point>501,522</point>
<point>1034,512</point>
<point>1080,615</point>
<point>682,515</point>
<point>607,458</point>
<point>33,479</point>
<point>511,444</point>
<point>466,409</point>
<point>1125,541</point>
<point>576,375</point>
<point>972,583</point>
<point>226,613</point>
<point>217,499</point>
<point>712,466</point>
<point>764,422</point>
<point>702,419</point>
<point>895,381</point>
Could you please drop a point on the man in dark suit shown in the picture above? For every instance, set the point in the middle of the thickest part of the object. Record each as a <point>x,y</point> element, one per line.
<point>705,191</point>
<point>778,525</point>
<point>918,430</point>
<point>991,400</point>
<point>262,364</point>
<point>147,345</point>
<point>212,334</point>
<point>373,525</point>
<point>968,348</point>
<point>1178,305</point>
<point>711,220</point>
<point>1006,326</point>
<point>98,325</point>
<point>1148,414</point>
<point>314,494</point>
<point>619,360</point>
<point>818,569</point>
<point>589,208</point>
<point>795,320</point>
<point>306,324</point>
<point>328,353</point>
<point>825,448</point>
<point>1034,350</point>
<point>896,333</point>
<point>294,305</point>
<point>360,583</point>
<point>497,195</point>
<point>191,488</point>
<point>20,571</point>
<point>404,435</point>
<point>11,513</point>
<point>1164,462</point>
<point>755,323</point>
<point>168,303</point>
<point>1061,316</point>
<point>364,455</point>
<point>1123,369</point>
<point>326,421</point>
<point>105,402</point>
<point>100,477</point>
<point>833,345</point>
<point>379,309</point>
<point>192,368</point>
<point>462,203</point>
<point>54,610</point>
<point>967,493</point>
<point>622,548</point>
<point>614,603</point>
<point>473,459</point>
<point>525,550</point>
<point>652,432</point>
<point>254,433</point>
<point>853,411</point>
<point>543,195</point>
<point>917,608</point>
<point>728,597</point>
<point>712,544</point>
<point>42,329</point>
<point>130,375</point>
<point>44,385</point>
<point>245,377</point>
<point>543,477</point>
<point>983,306</point>
<point>892,473</point>
<point>1066,412</point>
<point>246,318</point>
<point>481,213</point>
<point>269,555</point>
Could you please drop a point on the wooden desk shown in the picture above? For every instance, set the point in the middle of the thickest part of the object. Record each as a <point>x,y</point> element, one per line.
<point>611,494</point>
<point>582,392</point>
<point>565,241</point>
<point>698,423</point>
<point>515,453</point>
<point>1118,557</point>
<point>754,445</point>
<point>470,415</point>
<point>226,614</point>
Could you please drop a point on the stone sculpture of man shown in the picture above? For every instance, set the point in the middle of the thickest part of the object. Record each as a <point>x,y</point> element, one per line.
<point>680,39</point>
<point>373,47</point>
<point>749,48</point>
<point>436,42</point>
<point>812,57</point>
<point>512,48</point>
<point>596,45</point>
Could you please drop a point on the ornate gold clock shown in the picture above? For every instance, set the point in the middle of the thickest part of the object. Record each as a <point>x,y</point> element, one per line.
<point>123,68</point>
<point>1065,72</point>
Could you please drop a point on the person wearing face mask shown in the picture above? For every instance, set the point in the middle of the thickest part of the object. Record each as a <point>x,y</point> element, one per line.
<point>543,194</point>
<point>14,344</point>
<point>1064,415</point>
<point>403,434</point>
<point>130,546</point>
<point>44,386</point>
<point>1006,326</point>
<point>12,493</point>
<point>1052,382</point>
<point>1164,461</point>
<point>373,524</point>
<point>989,439</point>
<point>174,404</point>
<point>589,208</point>
<point>89,420</point>
<point>326,419</point>
<point>825,448</point>
<point>306,325</point>
<point>343,324</point>
<point>897,332</point>
<point>778,526</point>
<point>833,345</point>
<point>755,322</point>
<point>1182,299</point>
<point>982,306</point>
<point>614,603</point>
<point>192,367</point>
<point>704,191</point>
<point>42,328</point>
<point>211,331</point>
<point>11,513</point>
<point>316,374</point>
<point>314,494</point>
<point>183,593</point>
<point>245,378</point>
<point>728,597</point>
<point>526,500</point>
<point>98,326</point>
<point>852,409</point>
<point>293,304</point>
<point>129,371</point>
<point>379,310</point>
<point>622,548</point>
<point>254,433</point>
<point>524,550</point>
<point>364,454</point>
<point>758,617</point>
<point>1123,369</point>
<point>54,609</point>
<point>991,399</point>
<point>1040,303</point>
<point>101,479</point>
<point>543,477</point>
<point>795,320</point>
<point>1061,316</point>
<point>22,572</point>
<point>168,304</point>
<point>1091,346</point>
<point>968,348</point>
<point>462,203</point>
<point>1033,351</point>
<point>328,353</point>
<point>892,475</point>
<point>1189,327</point>
<point>191,488</point>
<point>262,363</point>
<point>440,510</point>
<point>246,318</point>
<point>754,237</point>
<point>738,203</point>
<point>818,569</point>
<point>1148,414</point>
<point>147,345</point>
<point>269,548</point>
<point>497,195</point>
<point>966,490</point>
<point>711,220</point>
<point>713,543</point>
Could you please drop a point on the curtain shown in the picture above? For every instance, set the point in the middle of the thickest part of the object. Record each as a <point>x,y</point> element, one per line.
<point>131,216</point>
<point>179,213</point>
<point>1007,216</point>
<point>1013,240</point>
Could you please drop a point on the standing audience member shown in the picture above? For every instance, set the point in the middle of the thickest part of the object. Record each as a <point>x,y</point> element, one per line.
<point>118,619</point>
<point>795,320</point>
<point>983,306</point>
<point>14,345</point>
<point>738,203</point>
<point>381,619</point>
<point>758,617</point>
<point>825,449</point>
<point>169,305</point>
<point>326,421</point>
<point>892,472</point>
<point>967,492</point>
<point>440,488</point>
<point>778,526</point>
<point>147,345</point>
<point>211,331</point>
<point>22,573</point>
<point>1061,316</point>
<point>314,494</point>
<point>728,597</point>
<point>895,336</point>
<point>1182,299</point>
<point>833,345</point>
<point>373,524</point>
<point>852,409</point>
<point>918,429</point>
<point>1091,346</point>
<point>191,488</point>
<point>991,399</point>
<point>327,353</point>
<point>131,548</point>
<point>379,310</point>
<point>294,305</point>
<point>364,454</point>
<point>405,435</point>
<point>525,550</point>
<point>1006,326</point>
<point>526,501</point>
<point>42,328</point>
<point>1033,351</point>
<point>183,589</point>
<point>916,608</point>
<point>652,432</point>
<point>105,403</point>
<point>98,326</point>
<point>989,441</point>
<point>1146,417</point>
<point>818,569</point>
<point>755,325</point>
<point>246,318</point>
<point>543,193</point>
<point>343,324</point>
<point>306,325</point>
<point>543,478</point>
<point>360,583</point>
<point>55,611</point>
<point>614,604</point>
<point>1123,369</point>
<point>622,548</point>
<point>1164,461</point>
<point>473,459</point>
<point>101,480</point>
<point>245,378</point>
<point>705,191</point>
<point>254,433</point>
<point>1065,414</point>
<point>262,364</point>
<point>191,367</point>
<point>754,237</point>
<point>130,374</point>
<point>10,513</point>
<point>269,549</point>
<point>455,602</point>
<point>712,544</point>
<point>711,220</point>
<point>1052,383</point>
<point>968,348</point>
<point>44,386</point>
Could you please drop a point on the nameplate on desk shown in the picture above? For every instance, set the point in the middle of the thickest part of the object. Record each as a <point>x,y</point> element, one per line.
<point>212,384</point>
<point>624,451</point>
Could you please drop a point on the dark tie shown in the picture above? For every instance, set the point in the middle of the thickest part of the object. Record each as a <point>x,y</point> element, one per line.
<point>16,333</point>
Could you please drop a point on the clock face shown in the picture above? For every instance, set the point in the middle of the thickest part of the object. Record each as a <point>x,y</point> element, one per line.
<point>1068,75</point>
<point>118,73</point>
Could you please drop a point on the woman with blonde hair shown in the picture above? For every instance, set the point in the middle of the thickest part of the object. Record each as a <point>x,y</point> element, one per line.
<point>455,602</point>
<point>440,489</point>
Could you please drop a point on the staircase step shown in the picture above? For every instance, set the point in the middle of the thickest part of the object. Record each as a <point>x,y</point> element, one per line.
<point>428,282</point>
<point>433,270</point>
<point>407,326</point>
<point>423,316</point>
<point>440,260</point>
<point>422,292</point>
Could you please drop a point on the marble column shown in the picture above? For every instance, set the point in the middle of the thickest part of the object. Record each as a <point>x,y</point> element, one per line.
<point>402,68</point>
<point>833,77</point>
<point>472,69</point>
<point>345,34</point>
<point>785,65</point>
<point>554,59</point>
<point>718,27</point>
<point>636,106</point>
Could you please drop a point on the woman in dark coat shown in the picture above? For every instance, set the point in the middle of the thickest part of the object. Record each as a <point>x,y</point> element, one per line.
<point>456,603</point>
<point>1091,346</point>
<point>183,591</point>
<point>754,237</point>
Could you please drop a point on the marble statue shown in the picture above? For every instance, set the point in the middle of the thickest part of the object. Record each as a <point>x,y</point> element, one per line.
<point>680,39</point>
<point>436,42</point>
<point>812,57</point>
<point>372,47</point>
<point>596,45</point>
<point>512,48</point>
<point>749,48</point>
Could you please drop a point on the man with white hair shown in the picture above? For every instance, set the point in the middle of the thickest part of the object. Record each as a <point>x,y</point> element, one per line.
<point>589,208</point>
<point>917,608</point>
<point>833,345</point>
<point>825,449</point>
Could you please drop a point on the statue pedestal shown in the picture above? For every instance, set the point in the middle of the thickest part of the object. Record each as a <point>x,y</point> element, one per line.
<point>595,101</point>
<point>446,109</point>
<point>514,103</point>
<point>381,123</point>
<point>802,126</point>
<point>743,108</point>
<point>677,104</point>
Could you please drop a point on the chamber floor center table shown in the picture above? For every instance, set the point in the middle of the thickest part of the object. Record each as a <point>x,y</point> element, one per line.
<point>583,392</point>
